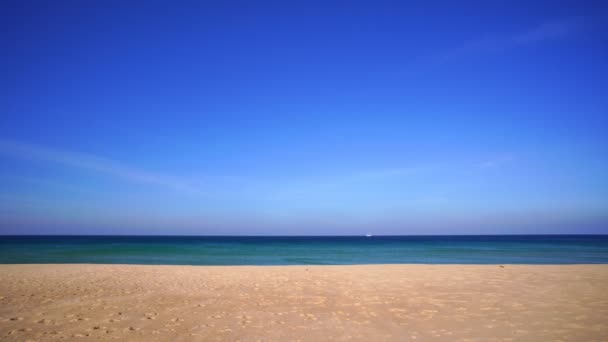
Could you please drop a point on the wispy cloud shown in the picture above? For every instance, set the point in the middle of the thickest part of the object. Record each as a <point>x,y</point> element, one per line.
<point>496,43</point>
<point>496,162</point>
<point>404,177</point>
<point>94,163</point>
<point>350,180</point>
<point>376,175</point>
<point>544,32</point>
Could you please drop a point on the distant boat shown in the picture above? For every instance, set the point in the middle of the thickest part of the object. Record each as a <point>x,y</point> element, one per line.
<point>368,235</point>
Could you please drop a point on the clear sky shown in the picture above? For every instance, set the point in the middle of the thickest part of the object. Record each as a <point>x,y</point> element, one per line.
<point>303,117</point>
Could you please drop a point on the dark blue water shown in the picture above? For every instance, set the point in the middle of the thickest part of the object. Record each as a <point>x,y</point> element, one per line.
<point>191,250</point>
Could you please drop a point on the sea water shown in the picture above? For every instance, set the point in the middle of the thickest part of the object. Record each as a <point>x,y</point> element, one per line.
<point>305,250</point>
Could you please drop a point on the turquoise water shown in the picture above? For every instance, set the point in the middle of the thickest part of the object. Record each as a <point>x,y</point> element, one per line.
<point>191,250</point>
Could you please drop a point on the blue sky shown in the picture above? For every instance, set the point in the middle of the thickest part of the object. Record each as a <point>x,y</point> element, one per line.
<point>303,117</point>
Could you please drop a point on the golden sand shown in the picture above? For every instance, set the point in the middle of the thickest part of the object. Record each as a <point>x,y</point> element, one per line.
<point>314,303</point>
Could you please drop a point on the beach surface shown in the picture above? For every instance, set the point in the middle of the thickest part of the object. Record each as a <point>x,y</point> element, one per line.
<point>306,303</point>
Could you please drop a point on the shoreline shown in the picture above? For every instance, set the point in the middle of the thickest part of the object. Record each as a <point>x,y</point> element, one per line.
<point>296,265</point>
<point>301,265</point>
<point>379,302</point>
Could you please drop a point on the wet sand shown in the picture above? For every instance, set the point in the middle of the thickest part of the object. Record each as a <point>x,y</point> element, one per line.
<point>307,303</point>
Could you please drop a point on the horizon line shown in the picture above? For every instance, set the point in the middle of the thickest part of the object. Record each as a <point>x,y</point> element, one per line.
<point>333,235</point>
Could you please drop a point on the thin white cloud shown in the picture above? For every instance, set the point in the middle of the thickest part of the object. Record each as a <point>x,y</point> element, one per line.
<point>377,175</point>
<point>544,32</point>
<point>93,163</point>
<point>496,43</point>
<point>496,162</point>
<point>351,180</point>
<point>355,179</point>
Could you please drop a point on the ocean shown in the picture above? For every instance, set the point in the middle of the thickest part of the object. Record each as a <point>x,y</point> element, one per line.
<point>305,250</point>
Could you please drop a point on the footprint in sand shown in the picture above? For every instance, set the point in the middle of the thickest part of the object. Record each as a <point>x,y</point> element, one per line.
<point>150,315</point>
<point>309,317</point>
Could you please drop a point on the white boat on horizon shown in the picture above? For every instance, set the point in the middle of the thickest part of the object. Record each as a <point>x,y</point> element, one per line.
<point>368,235</point>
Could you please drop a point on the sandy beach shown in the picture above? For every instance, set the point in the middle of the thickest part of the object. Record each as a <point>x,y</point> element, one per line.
<point>306,303</point>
